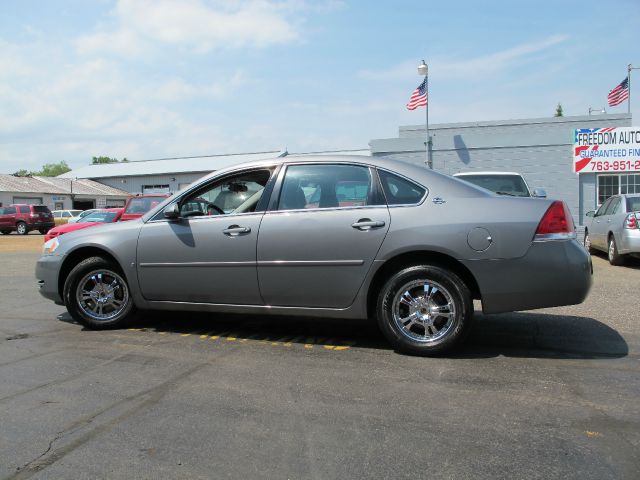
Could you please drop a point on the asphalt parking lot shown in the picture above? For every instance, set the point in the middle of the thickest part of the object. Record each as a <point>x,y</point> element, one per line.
<point>545,394</point>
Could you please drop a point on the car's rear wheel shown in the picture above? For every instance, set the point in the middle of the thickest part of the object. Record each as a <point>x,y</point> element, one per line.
<point>587,242</point>
<point>5,232</point>
<point>43,231</point>
<point>614,257</point>
<point>97,295</point>
<point>424,310</point>
<point>21,228</point>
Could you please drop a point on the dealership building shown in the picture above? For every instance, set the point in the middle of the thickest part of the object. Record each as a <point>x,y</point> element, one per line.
<point>542,150</point>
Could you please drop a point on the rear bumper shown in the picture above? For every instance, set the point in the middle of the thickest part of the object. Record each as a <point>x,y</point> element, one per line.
<point>630,241</point>
<point>550,274</point>
<point>38,225</point>
<point>47,271</point>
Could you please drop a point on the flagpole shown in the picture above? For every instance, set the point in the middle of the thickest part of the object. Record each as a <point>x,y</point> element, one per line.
<point>629,68</point>
<point>423,69</point>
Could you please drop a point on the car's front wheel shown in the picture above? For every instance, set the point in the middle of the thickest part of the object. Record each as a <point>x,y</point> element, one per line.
<point>424,310</point>
<point>97,295</point>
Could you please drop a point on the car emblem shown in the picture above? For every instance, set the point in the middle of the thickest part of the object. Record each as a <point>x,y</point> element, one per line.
<point>439,201</point>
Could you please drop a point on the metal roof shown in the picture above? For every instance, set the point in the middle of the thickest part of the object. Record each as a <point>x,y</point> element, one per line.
<point>162,166</point>
<point>57,185</point>
<point>204,164</point>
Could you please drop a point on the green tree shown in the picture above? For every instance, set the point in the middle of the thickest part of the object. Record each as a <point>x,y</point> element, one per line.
<point>22,173</point>
<point>559,112</point>
<point>100,160</point>
<point>53,169</point>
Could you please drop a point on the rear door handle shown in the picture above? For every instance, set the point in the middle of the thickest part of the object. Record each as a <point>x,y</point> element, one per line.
<point>236,230</point>
<point>365,224</point>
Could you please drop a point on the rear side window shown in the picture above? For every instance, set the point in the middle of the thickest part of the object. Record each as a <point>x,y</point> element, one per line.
<point>400,191</point>
<point>24,209</point>
<point>613,206</point>
<point>633,204</point>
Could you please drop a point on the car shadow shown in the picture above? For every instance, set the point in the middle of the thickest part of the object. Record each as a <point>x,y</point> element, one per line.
<point>520,334</point>
<point>629,261</point>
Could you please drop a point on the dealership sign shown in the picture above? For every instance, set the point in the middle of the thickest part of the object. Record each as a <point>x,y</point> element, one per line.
<point>598,150</point>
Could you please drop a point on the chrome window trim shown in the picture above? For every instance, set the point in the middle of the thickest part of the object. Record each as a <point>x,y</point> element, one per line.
<point>325,209</point>
<point>200,218</point>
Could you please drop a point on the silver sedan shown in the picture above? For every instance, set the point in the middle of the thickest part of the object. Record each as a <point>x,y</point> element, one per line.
<point>615,228</point>
<point>326,236</point>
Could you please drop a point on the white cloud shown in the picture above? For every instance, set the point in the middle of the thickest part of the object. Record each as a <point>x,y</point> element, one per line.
<point>196,25</point>
<point>447,68</point>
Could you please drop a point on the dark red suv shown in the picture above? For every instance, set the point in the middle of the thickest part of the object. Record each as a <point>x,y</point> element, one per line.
<point>23,218</point>
<point>140,204</point>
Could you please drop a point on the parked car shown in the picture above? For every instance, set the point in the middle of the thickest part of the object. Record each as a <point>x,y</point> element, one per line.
<point>413,250</point>
<point>502,183</point>
<point>107,215</point>
<point>61,217</point>
<point>137,206</point>
<point>23,218</point>
<point>615,228</point>
<point>83,214</point>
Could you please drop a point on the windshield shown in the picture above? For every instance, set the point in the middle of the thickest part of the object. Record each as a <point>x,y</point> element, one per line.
<point>100,217</point>
<point>142,205</point>
<point>502,184</point>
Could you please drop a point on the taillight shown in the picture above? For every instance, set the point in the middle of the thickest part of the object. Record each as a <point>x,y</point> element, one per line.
<point>631,221</point>
<point>556,223</point>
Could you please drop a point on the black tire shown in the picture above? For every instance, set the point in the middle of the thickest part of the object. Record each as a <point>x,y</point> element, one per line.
<point>85,274</point>
<point>5,232</point>
<point>612,252</point>
<point>438,334</point>
<point>587,242</point>
<point>21,228</point>
<point>43,231</point>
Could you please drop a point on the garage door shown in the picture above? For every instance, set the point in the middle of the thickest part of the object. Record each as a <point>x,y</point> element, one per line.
<point>28,200</point>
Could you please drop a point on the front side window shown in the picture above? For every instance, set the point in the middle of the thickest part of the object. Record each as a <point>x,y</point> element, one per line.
<point>235,194</point>
<point>400,191</point>
<point>326,186</point>
<point>10,210</point>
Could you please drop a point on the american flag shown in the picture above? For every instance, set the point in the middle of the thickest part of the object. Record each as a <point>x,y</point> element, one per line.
<point>619,94</point>
<point>419,96</point>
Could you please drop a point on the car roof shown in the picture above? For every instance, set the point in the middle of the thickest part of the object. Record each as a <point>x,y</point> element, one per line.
<point>98,210</point>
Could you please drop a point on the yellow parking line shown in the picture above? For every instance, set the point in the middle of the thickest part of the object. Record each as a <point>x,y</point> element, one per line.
<point>185,334</point>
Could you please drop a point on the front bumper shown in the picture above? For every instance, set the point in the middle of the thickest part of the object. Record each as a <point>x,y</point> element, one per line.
<point>47,272</point>
<point>550,274</point>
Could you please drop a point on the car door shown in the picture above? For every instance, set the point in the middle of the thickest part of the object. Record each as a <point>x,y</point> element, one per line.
<point>5,223</point>
<point>320,235</point>
<point>596,232</point>
<point>206,256</point>
<point>615,217</point>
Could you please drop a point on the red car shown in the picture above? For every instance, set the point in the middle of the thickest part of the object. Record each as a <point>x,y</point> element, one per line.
<point>139,205</point>
<point>106,215</point>
<point>23,218</point>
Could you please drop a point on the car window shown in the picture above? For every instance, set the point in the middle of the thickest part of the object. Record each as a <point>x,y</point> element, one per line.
<point>400,191</point>
<point>10,210</point>
<point>57,214</point>
<point>41,209</point>
<point>66,214</point>
<point>100,217</point>
<point>24,209</point>
<point>325,186</point>
<point>602,208</point>
<point>616,206</point>
<point>633,204</point>
<point>615,201</point>
<point>238,193</point>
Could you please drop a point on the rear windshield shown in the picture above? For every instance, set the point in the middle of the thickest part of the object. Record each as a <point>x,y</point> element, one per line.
<point>633,204</point>
<point>501,184</point>
<point>142,204</point>
<point>101,217</point>
<point>41,209</point>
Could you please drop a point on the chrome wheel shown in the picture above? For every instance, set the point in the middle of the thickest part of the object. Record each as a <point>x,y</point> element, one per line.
<point>587,242</point>
<point>612,249</point>
<point>423,311</point>
<point>21,229</point>
<point>102,295</point>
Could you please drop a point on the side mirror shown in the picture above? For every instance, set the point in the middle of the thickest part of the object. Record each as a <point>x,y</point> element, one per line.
<point>539,193</point>
<point>590,213</point>
<point>172,212</point>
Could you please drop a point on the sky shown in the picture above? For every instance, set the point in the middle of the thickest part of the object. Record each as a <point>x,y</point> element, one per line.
<point>148,79</point>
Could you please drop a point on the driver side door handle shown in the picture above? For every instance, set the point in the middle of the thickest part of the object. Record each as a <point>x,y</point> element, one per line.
<point>236,230</point>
